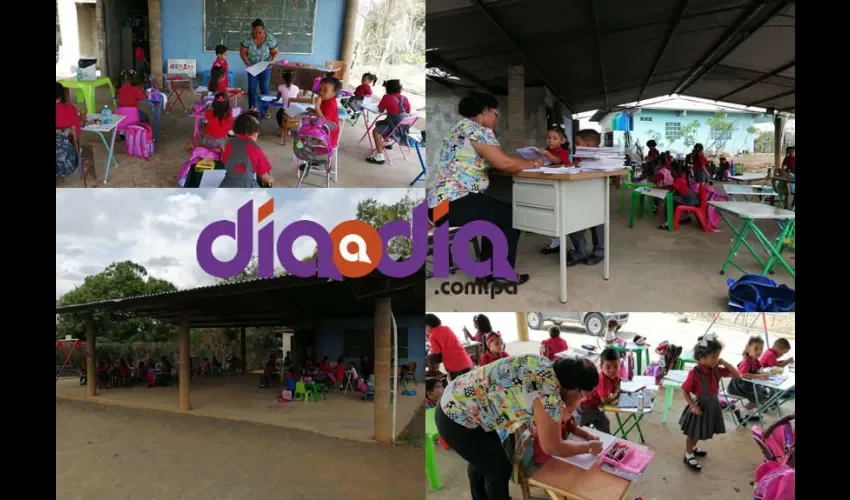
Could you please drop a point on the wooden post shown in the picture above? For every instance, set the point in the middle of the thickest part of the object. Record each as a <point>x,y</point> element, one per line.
<point>777,141</point>
<point>383,355</point>
<point>185,374</point>
<point>243,350</point>
<point>91,358</point>
<point>352,8</point>
<point>522,327</point>
<point>155,42</point>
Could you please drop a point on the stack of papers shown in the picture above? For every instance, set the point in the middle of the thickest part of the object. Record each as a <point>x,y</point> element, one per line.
<point>555,170</point>
<point>588,460</point>
<point>601,159</point>
<point>530,153</point>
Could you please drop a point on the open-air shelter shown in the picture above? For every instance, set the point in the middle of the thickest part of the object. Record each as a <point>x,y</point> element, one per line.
<point>274,302</point>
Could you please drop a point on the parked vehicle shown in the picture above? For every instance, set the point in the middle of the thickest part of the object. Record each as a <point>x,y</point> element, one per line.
<point>594,322</point>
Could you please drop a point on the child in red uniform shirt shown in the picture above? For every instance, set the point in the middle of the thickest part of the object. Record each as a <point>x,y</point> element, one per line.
<point>495,349</point>
<point>682,192</point>
<point>220,60</point>
<point>326,106</point>
<point>789,163</point>
<point>130,94</point>
<point>557,148</point>
<point>339,370</point>
<point>652,154</point>
<point>397,107</point>
<point>606,392</point>
<point>554,344</point>
<point>242,156</point>
<point>703,418</point>
<point>750,369</point>
<point>218,80</point>
<point>701,174</point>
<point>365,87</point>
<point>446,348</point>
<point>780,348</point>
<point>568,426</point>
<point>219,120</point>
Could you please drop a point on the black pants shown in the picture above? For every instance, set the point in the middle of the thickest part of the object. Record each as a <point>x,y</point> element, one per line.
<point>488,468</point>
<point>597,235</point>
<point>454,375</point>
<point>479,206</point>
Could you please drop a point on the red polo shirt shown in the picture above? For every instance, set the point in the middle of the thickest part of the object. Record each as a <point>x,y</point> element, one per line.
<point>67,117</point>
<point>330,110</point>
<point>445,342</point>
<point>255,154</point>
<point>790,163</point>
<point>553,346</point>
<point>217,128</point>
<point>749,365</point>
<point>363,90</point>
<point>129,96</point>
<point>604,388</point>
<point>700,163</point>
<point>693,383</point>
<point>389,104</point>
<point>488,357</point>
<point>680,184</point>
<point>769,358</point>
<point>562,154</point>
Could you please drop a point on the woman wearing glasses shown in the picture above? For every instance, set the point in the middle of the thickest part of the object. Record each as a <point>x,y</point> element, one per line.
<point>468,152</point>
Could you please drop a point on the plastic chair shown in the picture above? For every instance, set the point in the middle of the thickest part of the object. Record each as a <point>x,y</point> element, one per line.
<point>409,121</point>
<point>411,374</point>
<point>205,78</point>
<point>701,211</point>
<point>302,391</point>
<point>319,389</point>
<point>431,435</point>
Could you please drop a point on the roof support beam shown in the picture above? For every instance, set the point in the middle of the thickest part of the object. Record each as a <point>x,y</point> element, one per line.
<point>678,12</point>
<point>772,98</point>
<point>435,59</point>
<point>757,13</point>
<point>594,13</point>
<point>758,80</point>
<point>524,60</point>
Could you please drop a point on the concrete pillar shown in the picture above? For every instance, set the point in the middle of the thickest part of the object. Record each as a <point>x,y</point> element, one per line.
<point>185,373</point>
<point>155,28</point>
<point>243,350</point>
<point>516,107</point>
<point>349,34</point>
<point>522,327</point>
<point>778,132</point>
<point>69,29</point>
<point>91,358</point>
<point>383,355</point>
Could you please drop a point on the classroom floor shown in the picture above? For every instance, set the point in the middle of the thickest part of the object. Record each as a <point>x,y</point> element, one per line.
<point>238,398</point>
<point>176,129</point>
<point>651,270</point>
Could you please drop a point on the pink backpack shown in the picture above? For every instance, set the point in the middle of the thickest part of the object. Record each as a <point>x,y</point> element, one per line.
<point>139,141</point>
<point>774,481</point>
<point>714,219</point>
<point>313,140</point>
<point>199,153</point>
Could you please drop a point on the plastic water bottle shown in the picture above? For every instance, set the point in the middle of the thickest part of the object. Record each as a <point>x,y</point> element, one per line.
<point>640,402</point>
<point>106,115</point>
<point>79,74</point>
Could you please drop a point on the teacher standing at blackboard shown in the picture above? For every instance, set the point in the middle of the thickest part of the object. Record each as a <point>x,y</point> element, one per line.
<point>260,46</point>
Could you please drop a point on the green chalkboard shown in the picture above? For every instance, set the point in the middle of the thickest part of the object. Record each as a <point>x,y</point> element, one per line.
<point>292,23</point>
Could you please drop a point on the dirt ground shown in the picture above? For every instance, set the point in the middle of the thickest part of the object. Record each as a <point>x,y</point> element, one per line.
<point>176,128</point>
<point>113,452</point>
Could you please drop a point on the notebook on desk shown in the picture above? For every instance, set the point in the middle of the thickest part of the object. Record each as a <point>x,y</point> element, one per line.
<point>587,460</point>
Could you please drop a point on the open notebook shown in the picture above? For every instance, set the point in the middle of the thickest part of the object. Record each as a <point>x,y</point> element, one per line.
<point>587,460</point>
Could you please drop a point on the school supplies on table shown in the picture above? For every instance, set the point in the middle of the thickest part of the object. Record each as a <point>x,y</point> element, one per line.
<point>205,164</point>
<point>630,386</point>
<point>627,460</point>
<point>587,460</point>
<point>627,400</point>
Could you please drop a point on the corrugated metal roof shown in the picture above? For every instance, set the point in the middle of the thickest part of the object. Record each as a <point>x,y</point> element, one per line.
<point>599,54</point>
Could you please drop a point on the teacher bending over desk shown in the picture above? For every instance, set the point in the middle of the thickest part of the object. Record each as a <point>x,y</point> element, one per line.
<point>260,46</point>
<point>469,150</point>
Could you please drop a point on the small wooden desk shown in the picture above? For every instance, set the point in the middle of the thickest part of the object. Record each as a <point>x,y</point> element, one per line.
<point>562,481</point>
<point>557,205</point>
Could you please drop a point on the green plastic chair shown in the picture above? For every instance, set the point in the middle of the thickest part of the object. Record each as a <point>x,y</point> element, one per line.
<point>319,389</point>
<point>628,187</point>
<point>302,391</point>
<point>431,435</point>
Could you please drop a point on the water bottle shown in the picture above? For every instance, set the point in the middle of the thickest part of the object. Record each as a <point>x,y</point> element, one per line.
<point>106,115</point>
<point>79,74</point>
<point>640,402</point>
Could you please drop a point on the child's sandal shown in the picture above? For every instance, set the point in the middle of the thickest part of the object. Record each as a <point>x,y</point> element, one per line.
<point>693,464</point>
<point>698,452</point>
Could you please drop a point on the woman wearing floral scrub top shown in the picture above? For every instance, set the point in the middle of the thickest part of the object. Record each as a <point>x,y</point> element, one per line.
<point>260,46</point>
<point>468,152</point>
<point>502,397</point>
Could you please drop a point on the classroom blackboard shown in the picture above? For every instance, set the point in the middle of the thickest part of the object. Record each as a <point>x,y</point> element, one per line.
<point>292,23</point>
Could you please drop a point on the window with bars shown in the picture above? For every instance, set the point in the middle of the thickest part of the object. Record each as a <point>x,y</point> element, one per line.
<point>672,130</point>
<point>646,118</point>
<point>721,134</point>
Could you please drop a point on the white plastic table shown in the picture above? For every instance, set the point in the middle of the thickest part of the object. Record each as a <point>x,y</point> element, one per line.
<point>369,107</point>
<point>748,192</point>
<point>749,212</point>
<point>747,178</point>
<point>102,129</point>
<point>778,391</point>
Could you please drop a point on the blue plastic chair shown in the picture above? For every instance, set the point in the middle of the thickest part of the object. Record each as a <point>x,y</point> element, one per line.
<point>205,78</point>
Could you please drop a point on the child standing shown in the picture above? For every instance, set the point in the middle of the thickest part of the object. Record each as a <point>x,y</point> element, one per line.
<point>703,418</point>
<point>339,370</point>
<point>554,344</point>
<point>789,163</point>
<point>397,107</point>
<point>220,60</point>
<point>243,158</point>
<point>607,391</point>
<point>700,163</point>
<point>750,369</point>
<point>652,153</point>
<point>219,120</point>
<point>495,350</point>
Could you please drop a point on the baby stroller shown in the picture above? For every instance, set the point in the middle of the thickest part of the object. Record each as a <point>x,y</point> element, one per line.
<point>313,149</point>
<point>775,477</point>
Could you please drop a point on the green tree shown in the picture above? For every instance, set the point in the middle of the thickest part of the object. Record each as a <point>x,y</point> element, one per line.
<point>118,280</point>
<point>377,214</point>
<point>722,129</point>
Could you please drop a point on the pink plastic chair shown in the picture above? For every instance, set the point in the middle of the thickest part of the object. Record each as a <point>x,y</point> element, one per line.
<point>409,121</point>
<point>131,117</point>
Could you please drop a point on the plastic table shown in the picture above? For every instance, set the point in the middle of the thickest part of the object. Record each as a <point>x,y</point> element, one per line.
<point>85,90</point>
<point>102,129</point>
<point>747,178</point>
<point>748,192</point>
<point>672,382</point>
<point>641,351</point>
<point>637,204</point>
<point>750,212</point>
<point>779,389</point>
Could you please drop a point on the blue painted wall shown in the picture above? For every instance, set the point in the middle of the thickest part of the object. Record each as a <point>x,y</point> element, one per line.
<point>653,120</point>
<point>183,36</point>
<point>329,340</point>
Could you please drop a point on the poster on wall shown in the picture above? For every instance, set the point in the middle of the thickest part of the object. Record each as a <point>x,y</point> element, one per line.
<point>187,67</point>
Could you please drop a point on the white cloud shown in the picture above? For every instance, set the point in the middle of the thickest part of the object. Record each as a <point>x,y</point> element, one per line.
<point>158,228</point>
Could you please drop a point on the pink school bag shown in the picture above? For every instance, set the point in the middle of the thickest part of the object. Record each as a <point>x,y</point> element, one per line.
<point>139,141</point>
<point>316,83</point>
<point>774,481</point>
<point>313,140</point>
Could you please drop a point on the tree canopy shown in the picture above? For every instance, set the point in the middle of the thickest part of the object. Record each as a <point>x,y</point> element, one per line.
<point>377,214</point>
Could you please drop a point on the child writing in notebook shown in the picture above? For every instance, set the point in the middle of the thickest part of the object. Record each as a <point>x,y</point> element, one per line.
<point>495,350</point>
<point>750,369</point>
<point>780,348</point>
<point>550,347</point>
<point>607,391</point>
<point>703,417</point>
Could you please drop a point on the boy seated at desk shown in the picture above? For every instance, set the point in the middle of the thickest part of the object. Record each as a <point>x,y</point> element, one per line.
<point>606,392</point>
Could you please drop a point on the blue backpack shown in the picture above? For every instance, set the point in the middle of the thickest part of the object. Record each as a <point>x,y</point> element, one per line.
<point>757,293</point>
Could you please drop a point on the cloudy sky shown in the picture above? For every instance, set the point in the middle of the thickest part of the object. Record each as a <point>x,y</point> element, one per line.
<point>158,228</point>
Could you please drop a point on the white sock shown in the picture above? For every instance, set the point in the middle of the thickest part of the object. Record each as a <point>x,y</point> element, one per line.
<point>555,243</point>
<point>378,156</point>
<point>689,455</point>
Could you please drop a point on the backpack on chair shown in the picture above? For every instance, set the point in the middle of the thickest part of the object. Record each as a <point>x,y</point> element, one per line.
<point>139,141</point>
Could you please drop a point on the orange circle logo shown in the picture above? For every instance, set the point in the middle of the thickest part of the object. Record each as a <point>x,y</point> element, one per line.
<point>357,248</point>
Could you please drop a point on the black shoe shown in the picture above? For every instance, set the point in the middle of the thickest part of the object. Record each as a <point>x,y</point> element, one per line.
<point>521,278</point>
<point>369,159</point>
<point>388,146</point>
<point>593,260</point>
<point>572,260</point>
<point>664,227</point>
<point>693,464</point>
<point>699,453</point>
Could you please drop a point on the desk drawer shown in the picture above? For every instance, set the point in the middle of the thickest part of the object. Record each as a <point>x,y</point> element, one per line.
<point>535,219</point>
<point>535,193</point>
